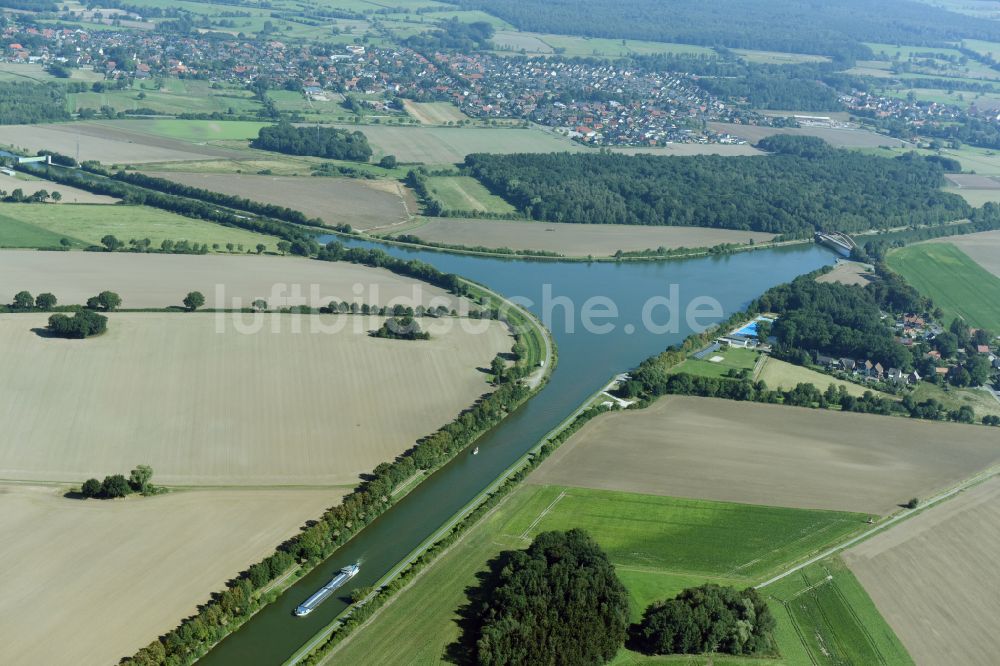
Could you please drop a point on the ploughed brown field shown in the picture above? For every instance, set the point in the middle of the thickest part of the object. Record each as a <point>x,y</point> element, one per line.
<point>983,248</point>
<point>360,203</point>
<point>231,400</point>
<point>934,578</point>
<point>162,280</point>
<point>90,582</point>
<point>706,448</point>
<point>574,240</point>
<point>110,145</point>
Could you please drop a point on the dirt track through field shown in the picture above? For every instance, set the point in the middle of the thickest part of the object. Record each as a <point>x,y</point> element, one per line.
<point>89,582</point>
<point>162,280</point>
<point>770,454</point>
<point>208,400</point>
<point>934,578</point>
<point>333,200</point>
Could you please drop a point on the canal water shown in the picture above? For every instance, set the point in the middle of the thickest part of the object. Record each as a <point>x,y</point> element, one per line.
<point>588,358</point>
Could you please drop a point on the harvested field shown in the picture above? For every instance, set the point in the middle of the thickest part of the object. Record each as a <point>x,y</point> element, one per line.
<point>106,143</point>
<point>517,41</point>
<point>975,198</point>
<point>726,149</point>
<point>839,138</point>
<point>983,248</point>
<point>974,181</point>
<point>849,273</point>
<point>334,200</point>
<point>434,113</point>
<point>449,145</point>
<point>206,402</point>
<point>934,578</point>
<point>88,582</point>
<point>465,193</point>
<point>69,194</point>
<point>770,454</point>
<point>575,240</point>
<point>162,280</point>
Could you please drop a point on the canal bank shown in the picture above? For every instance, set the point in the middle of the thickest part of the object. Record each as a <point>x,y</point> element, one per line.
<point>649,301</point>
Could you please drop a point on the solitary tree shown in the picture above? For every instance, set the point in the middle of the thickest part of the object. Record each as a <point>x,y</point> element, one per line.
<point>111,243</point>
<point>259,305</point>
<point>56,197</point>
<point>260,248</point>
<point>194,300</point>
<point>115,486</point>
<point>23,301</point>
<point>109,300</point>
<point>497,368</point>
<point>91,488</point>
<point>45,301</point>
<point>284,247</point>
<point>140,477</point>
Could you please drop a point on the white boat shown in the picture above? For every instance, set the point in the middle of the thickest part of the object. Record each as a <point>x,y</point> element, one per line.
<point>475,451</point>
<point>322,594</point>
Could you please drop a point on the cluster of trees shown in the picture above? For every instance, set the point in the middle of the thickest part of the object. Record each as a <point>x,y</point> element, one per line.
<point>376,258</point>
<point>116,485</point>
<point>454,35</point>
<point>79,325</point>
<point>401,328</point>
<point>17,195</point>
<point>320,538</point>
<point>984,218</point>
<point>558,602</point>
<point>797,26</point>
<point>29,103</point>
<point>805,184</point>
<point>710,618</point>
<point>25,302</point>
<point>297,241</point>
<point>328,142</point>
<point>972,369</point>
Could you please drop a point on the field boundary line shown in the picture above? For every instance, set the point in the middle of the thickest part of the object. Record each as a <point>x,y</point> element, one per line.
<point>940,497</point>
<point>545,511</point>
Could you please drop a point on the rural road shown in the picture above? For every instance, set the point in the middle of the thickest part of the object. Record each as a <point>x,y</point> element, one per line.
<point>982,476</point>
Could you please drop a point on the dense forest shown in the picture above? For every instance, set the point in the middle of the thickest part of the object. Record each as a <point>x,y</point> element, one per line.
<point>558,602</point>
<point>328,142</point>
<point>804,185</point>
<point>26,103</point>
<point>839,320</point>
<point>799,26</point>
<point>800,87</point>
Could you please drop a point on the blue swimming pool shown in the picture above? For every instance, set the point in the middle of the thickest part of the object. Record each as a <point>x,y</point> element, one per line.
<point>750,330</point>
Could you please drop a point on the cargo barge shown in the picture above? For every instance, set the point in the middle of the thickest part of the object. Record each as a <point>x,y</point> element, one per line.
<point>322,594</point>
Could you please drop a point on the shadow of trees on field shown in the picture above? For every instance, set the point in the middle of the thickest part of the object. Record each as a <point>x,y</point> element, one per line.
<point>463,651</point>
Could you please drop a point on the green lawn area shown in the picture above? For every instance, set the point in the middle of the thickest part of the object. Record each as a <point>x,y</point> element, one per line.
<point>956,283</point>
<point>732,359</point>
<point>826,617</point>
<point>955,398</point>
<point>16,233</point>
<point>659,546</point>
<point>195,130</point>
<point>615,48</point>
<point>784,375</point>
<point>90,223</point>
<point>176,96</point>
<point>465,193</point>
<point>778,57</point>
